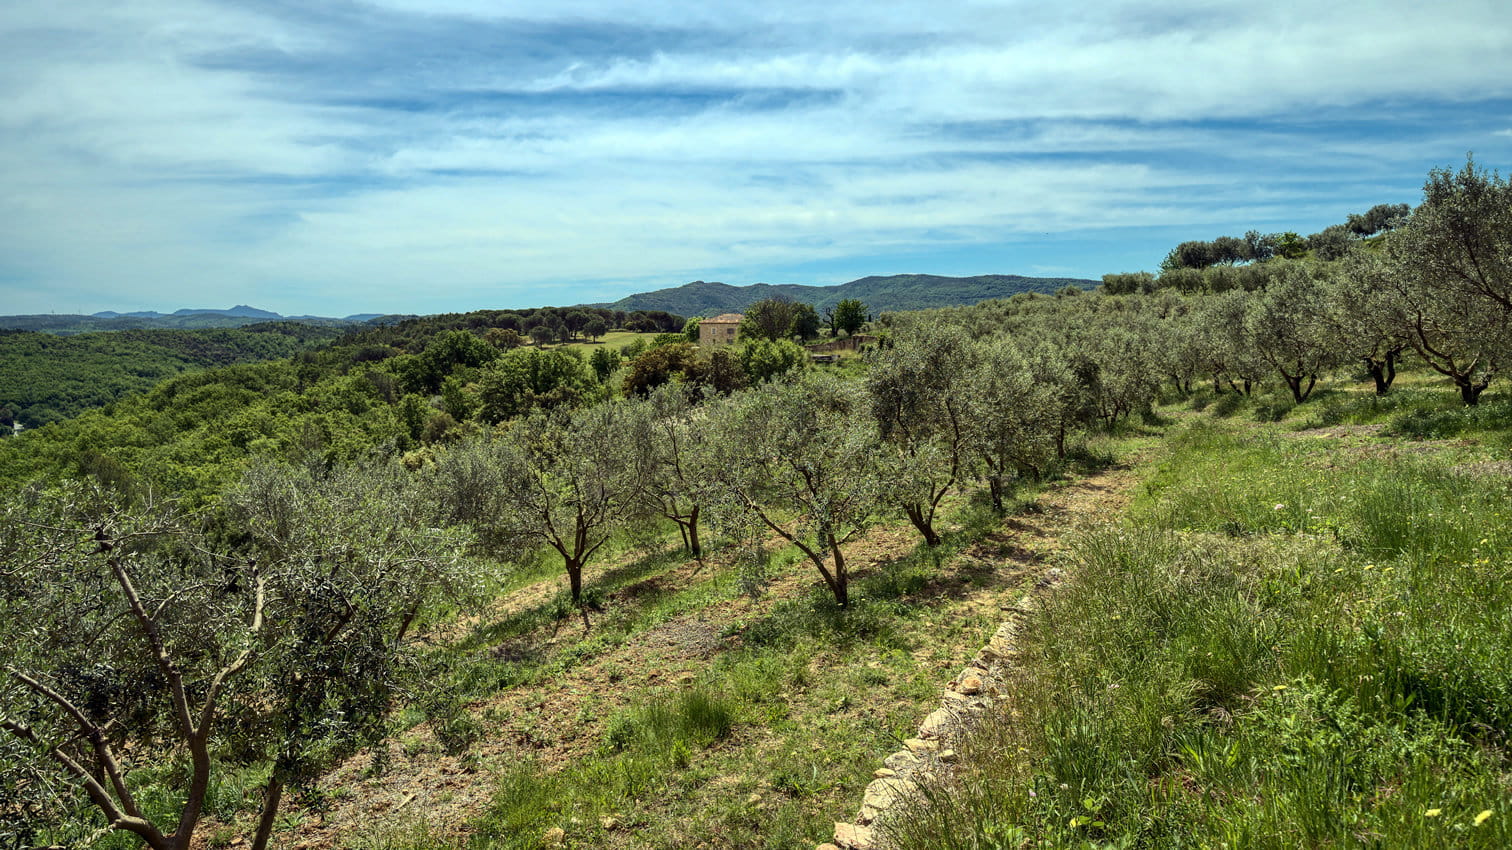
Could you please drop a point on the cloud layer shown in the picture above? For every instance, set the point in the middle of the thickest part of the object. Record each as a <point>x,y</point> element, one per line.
<point>428,155</point>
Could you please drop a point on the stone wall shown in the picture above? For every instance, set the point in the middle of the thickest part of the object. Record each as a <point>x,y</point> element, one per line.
<point>980,684</point>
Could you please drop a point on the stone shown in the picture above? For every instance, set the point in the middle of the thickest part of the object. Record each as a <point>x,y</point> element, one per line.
<point>970,685</point>
<point>935,724</point>
<point>947,756</point>
<point>882,793</point>
<point>919,745</point>
<point>827,846</point>
<point>884,772</point>
<point>554,837</point>
<point>854,837</point>
<point>878,794</point>
<point>901,760</point>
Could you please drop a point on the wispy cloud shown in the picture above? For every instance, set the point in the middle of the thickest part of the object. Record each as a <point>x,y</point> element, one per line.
<point>423,155</point>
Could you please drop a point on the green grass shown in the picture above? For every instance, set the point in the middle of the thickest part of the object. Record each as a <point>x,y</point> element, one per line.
<point>1291,642</point>
<point>615,340</point>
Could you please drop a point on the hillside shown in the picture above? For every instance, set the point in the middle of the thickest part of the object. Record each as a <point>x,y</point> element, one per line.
<point>46,377</point>
<point>892,292</point>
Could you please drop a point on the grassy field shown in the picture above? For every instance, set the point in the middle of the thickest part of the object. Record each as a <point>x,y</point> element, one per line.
<point>1298,636</point>
<point>615,340</point>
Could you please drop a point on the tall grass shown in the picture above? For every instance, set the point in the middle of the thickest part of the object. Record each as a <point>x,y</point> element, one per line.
<point>1289,644</point>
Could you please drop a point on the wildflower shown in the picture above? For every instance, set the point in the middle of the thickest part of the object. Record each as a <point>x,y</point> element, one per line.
<point>1280,507</point>
<point>1482,817</point>
<point>1279,688</point>
<point>1433,813</point>
<point>1370,566</point>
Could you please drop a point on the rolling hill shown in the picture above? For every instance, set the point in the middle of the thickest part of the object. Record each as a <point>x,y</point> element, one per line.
<point>892,292</point>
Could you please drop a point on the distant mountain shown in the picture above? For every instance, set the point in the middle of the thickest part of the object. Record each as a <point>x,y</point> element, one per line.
<point>893,292</point>
<point>185,319</point>
<point>240,311</point>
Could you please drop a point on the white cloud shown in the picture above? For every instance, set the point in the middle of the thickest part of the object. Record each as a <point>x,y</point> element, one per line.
<point>163,149</point>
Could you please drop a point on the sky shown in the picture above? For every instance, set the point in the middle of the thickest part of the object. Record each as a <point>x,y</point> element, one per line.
<point>332,157</point>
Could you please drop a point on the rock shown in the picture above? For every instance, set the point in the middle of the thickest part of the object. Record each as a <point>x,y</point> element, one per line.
<point>970,685</point>
<point>901,760</point>
<point>954,697</point>
<point>884,772</point>
<point>947,756</point>
<point>919,745</point>
<point>826,846</point>
<point>554,837</point>
<point>935,724</point>
<point>853,837</point>
<point>882,793</point>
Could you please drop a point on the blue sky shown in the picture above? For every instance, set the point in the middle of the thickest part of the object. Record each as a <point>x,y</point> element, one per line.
<point>424,156</point>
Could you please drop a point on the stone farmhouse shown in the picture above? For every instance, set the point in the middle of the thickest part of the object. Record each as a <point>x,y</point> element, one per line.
<point>720,330</point>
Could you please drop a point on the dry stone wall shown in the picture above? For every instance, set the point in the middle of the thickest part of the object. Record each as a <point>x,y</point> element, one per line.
<point>981,683</point>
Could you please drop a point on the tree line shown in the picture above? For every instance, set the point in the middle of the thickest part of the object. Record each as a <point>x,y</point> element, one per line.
<point>1330,243</point>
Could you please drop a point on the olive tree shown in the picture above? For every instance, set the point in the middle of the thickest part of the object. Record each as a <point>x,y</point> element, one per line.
<point>1287,326</point>
<point>1013,418</point>
<point>669,445</point>
<point>1450,276</point>
<point>132,640</point>
<point>563,482</point>
<point>802,459</point>
<point>1361,313</point>
<point>919,400</point>
<point>1227,352</point>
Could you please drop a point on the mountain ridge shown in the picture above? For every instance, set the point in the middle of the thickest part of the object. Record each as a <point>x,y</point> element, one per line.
<point>879,292</point>
<point>241,315</point>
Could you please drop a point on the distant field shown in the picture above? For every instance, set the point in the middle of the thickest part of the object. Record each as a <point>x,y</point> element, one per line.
<point>614,339</point>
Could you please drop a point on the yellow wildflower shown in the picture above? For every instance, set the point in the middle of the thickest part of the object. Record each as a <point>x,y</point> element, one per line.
<point>1433,813</point>
<point>1482,817</point>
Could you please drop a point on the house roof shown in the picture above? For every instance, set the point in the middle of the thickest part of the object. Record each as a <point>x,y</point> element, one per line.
<point>723,319</point>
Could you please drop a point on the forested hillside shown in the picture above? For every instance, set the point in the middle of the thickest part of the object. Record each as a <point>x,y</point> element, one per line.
<point>45,378</point>
<point>435,586</point>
